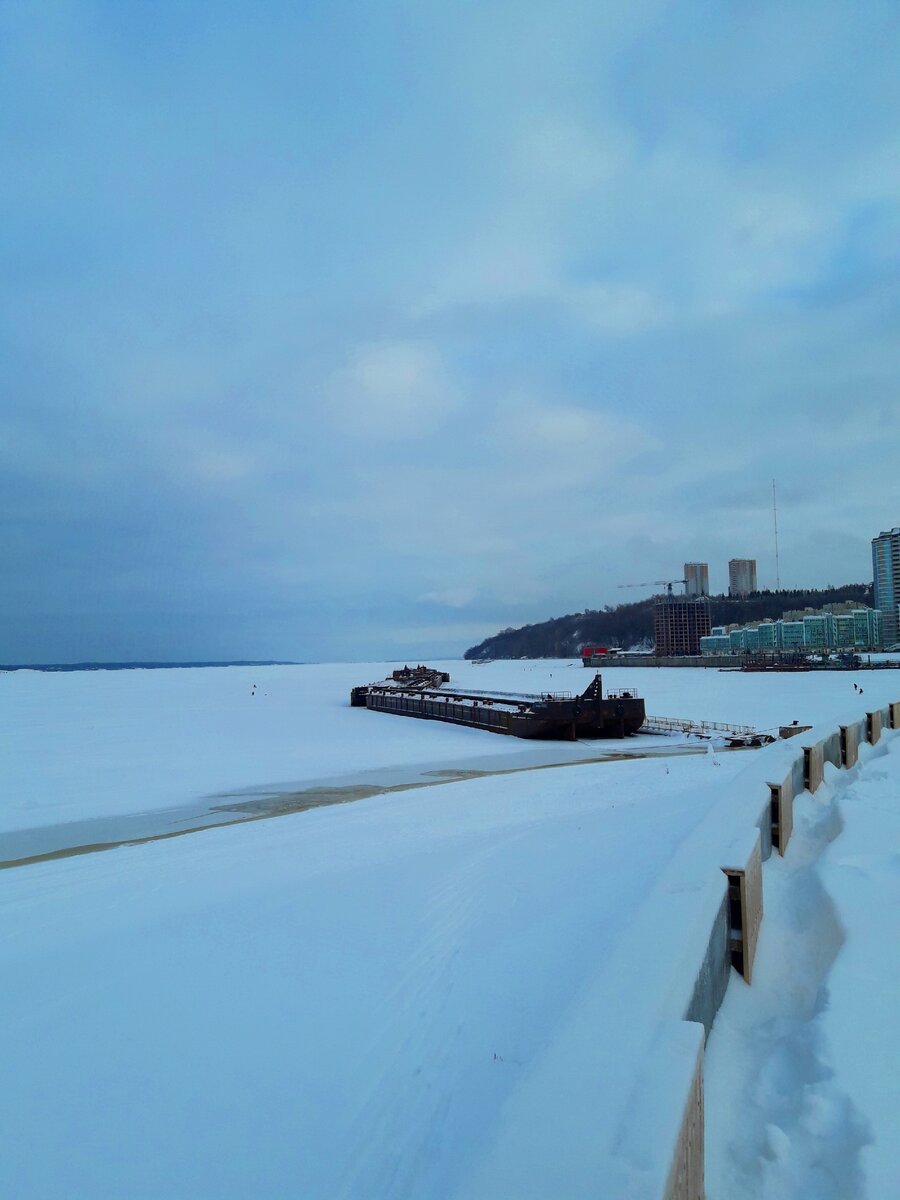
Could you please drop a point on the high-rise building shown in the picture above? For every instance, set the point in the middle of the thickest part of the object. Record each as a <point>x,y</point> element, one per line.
<point>680,624</point>
<point>741,576</point>
<point>886,573</point>
<point>696,579</point>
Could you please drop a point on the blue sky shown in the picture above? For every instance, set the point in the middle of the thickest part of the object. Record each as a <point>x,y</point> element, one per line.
<point>353,329</point>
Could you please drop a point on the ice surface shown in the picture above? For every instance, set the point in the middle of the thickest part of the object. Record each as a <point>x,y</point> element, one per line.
<point>99,743</point>
<point>451,992</point>
<point>340,1003</point>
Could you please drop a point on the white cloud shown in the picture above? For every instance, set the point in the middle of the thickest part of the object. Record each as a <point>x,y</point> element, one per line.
<point>452,597</point>
<point>391,391</point>
<point>560,157</point>
<point>617,309</point>
<point>223,466</point>
<point>551,166</point>
<point>631,236</point>
<point>549,432</point>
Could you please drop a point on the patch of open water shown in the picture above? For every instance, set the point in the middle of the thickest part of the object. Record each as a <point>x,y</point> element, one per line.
<point>92,835</point>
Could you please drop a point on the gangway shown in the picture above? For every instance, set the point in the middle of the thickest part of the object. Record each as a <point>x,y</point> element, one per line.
<point>734,735</point>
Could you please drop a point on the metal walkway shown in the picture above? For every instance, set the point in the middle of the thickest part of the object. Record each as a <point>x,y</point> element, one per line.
<point>744,734</point>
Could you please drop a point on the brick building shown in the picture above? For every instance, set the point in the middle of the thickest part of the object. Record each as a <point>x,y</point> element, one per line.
<point>680,624</point>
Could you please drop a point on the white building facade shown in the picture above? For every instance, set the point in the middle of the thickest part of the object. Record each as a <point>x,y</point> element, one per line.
<point>860,629</point>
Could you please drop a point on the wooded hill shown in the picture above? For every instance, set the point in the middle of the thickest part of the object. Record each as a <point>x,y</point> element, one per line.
<point>632,624</point>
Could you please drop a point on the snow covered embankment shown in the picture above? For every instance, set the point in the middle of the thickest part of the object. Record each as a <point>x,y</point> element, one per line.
<point>802,1097</point>
<point>655,1132</point>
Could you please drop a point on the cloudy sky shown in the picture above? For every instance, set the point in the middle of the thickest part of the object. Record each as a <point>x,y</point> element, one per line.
<point>334,329</point>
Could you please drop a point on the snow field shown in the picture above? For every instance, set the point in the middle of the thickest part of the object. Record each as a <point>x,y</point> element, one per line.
<point>341,1003</point>
<point>819,1125</point>
<point>100,743</point>
<point>464,991</point>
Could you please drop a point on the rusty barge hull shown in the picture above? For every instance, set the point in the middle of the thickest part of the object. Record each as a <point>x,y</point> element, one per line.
<point>590,715</point>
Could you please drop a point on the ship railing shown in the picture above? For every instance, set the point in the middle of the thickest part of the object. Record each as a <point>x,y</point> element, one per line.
<point>529,696</point>
<point>487,699</point>
<point>703,728</point>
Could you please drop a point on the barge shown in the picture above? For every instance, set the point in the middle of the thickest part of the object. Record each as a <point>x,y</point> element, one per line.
<point>425,693</point>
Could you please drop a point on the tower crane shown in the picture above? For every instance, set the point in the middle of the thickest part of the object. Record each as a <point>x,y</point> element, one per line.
<point>668,584</point>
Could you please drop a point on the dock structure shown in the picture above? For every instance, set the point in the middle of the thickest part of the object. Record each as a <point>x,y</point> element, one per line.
<point>732,735</point>
<point>740,660</point>
<point>425,693</point>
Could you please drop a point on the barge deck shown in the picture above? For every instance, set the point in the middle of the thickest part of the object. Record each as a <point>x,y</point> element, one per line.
<point>424,693</point>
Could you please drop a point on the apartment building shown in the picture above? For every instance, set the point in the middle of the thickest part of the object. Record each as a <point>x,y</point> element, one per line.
<point>741,576</point>
<point>886,573</point>
<point>696,579</point>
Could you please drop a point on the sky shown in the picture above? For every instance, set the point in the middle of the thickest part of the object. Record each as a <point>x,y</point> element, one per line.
<point>335,330</point>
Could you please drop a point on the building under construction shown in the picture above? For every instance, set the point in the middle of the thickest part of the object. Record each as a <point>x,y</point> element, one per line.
<point>679,625</point>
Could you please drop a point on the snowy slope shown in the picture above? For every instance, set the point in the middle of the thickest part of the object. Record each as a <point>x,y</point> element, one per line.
<point>331,1004</point>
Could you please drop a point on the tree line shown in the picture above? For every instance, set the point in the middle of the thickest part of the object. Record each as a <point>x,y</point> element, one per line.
<point>632,624</point>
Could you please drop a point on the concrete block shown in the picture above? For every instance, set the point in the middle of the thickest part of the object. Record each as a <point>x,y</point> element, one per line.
<point>782,813</point>
<point>798,774</point>
<point>849,745</point>
<point>873,726</point>
<point>712,978</point>
<point>745,908</point>
<point>686,1181</point>
<point>831,749</point>
<point>813,766</point>
<point>789,731</point>
<point>764,825</point>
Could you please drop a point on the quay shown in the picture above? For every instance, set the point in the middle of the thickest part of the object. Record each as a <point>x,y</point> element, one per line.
<point>749,661</point>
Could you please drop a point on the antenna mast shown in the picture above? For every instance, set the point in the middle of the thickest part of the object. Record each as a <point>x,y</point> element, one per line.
<point>775,519</point>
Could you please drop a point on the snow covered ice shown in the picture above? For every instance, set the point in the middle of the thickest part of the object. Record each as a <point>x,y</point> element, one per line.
<point>432,993</point>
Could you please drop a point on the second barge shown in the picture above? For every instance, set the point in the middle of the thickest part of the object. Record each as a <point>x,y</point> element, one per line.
<point>424,693</point>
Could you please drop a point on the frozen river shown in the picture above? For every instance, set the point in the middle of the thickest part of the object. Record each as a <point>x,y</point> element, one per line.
<point>366,999</point>
<point>110,743</point>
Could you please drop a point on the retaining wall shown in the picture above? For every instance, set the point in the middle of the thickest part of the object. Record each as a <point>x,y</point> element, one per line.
<point>759,814</point>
